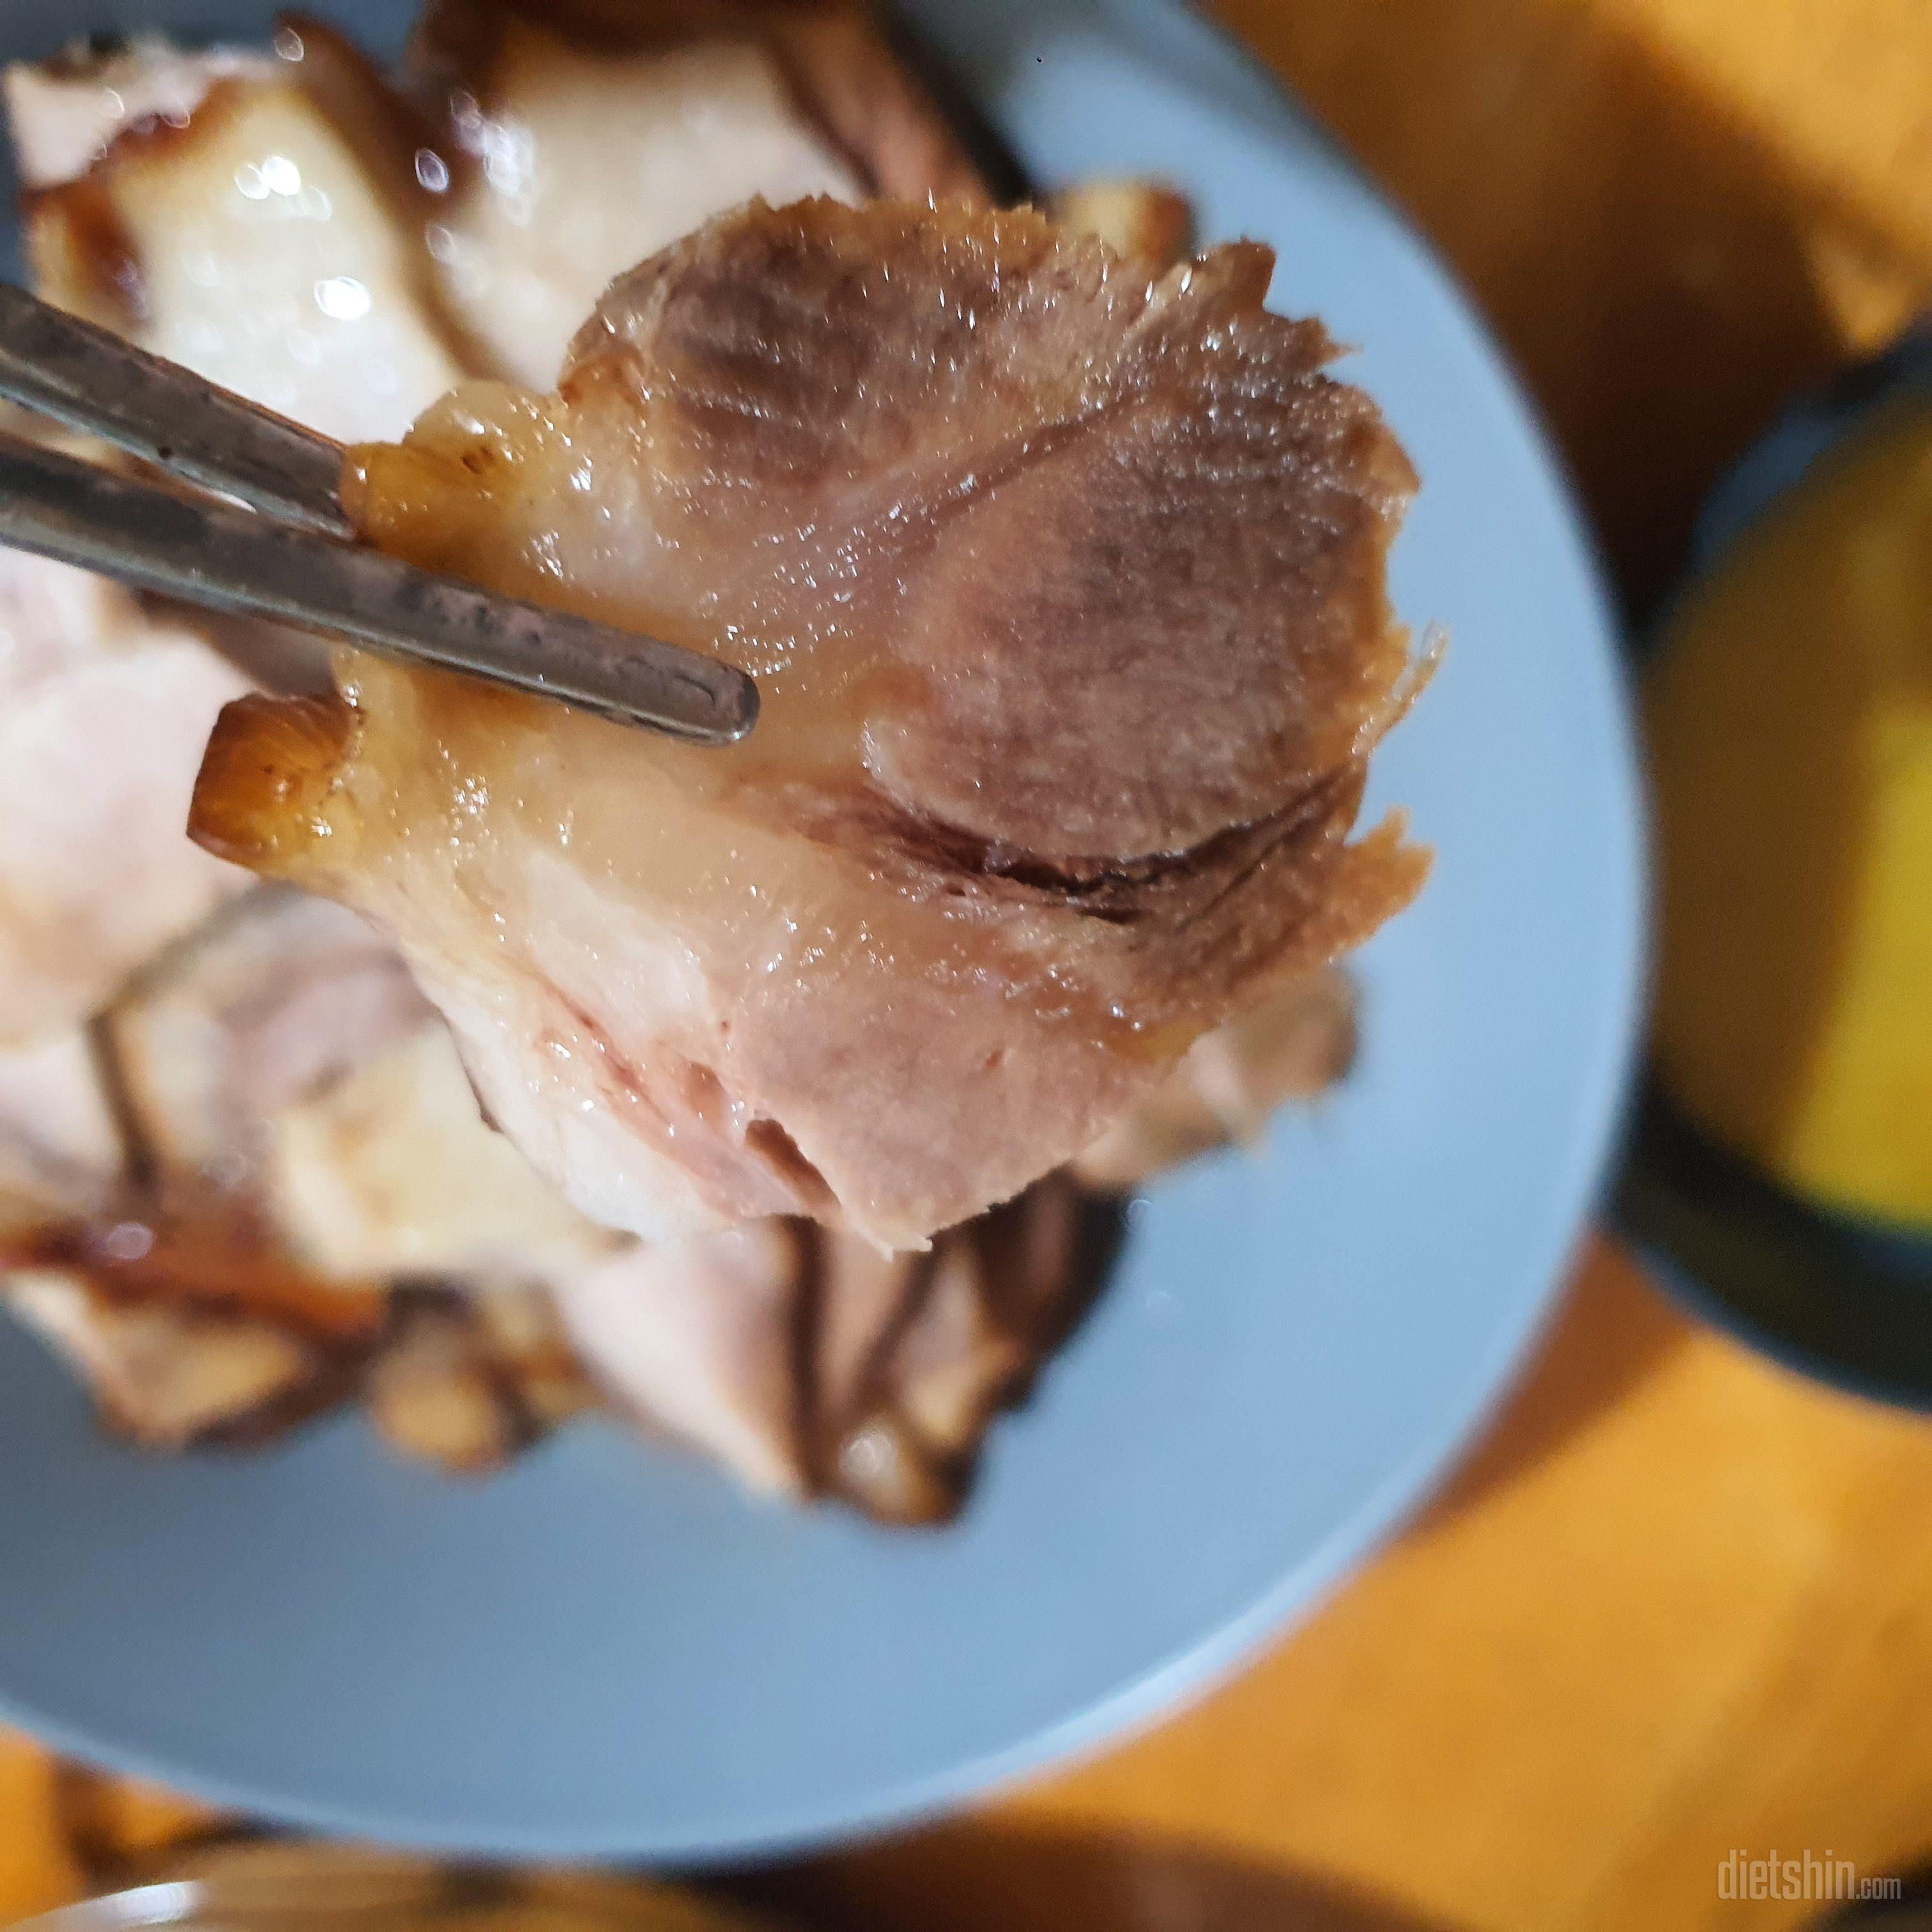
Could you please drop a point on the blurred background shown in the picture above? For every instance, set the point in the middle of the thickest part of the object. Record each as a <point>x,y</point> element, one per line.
<point>1676,1609</point>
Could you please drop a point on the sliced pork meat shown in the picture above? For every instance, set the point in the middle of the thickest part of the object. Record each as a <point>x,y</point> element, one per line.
<point>190,1328</point>
<point>290,1091</point>
<point>280,998</point>
<point>65,113</point>
<point>467,1380</point>
<point>103,713</point>
<point>698,1338</point>
<point>897,1422</point>
<point>810,1364</point>
<point>314,1209</point>
<point>233,211</point>
<point>263,226</point>
<point>1291,1045</point>
<point>283,1076</point>
<point>1142,221</point>
<point>165,1378</point>
<point>1065,594</point>
<point>303,1141</point>
<point>571,148</point>
<point>172,1303</point>
<point>861,1299</point>
<point>61,1154</point>
<point>392,1170</point>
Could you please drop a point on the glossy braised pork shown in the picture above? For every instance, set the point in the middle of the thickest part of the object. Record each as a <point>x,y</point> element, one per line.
<point>1065,593</point>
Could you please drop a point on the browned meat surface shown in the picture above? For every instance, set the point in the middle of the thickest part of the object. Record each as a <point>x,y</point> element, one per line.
<point>189,1329</point>
<point>467,1380</point>
<point>168,1377</point>
<point>1065,594</point>
<point>1142,221</point>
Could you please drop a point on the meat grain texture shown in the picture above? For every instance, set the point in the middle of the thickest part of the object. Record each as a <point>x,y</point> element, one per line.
<point>1065,593</point>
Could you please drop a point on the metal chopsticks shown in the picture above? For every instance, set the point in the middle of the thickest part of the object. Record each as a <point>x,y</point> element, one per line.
<point>287,556</point>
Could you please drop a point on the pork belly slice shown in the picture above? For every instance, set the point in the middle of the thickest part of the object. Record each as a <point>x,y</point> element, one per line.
<point>1065,595</point>
<point>279,997</point>
<point>280,1068</point>
<point>282,1057</point>
<point>698,1338</point>
<point>61,1156</point>
<point>265,231</point>
<point>305,1141</point>
<point>569,147</point>
<point>189,1328</point>
<point>810,1364</point>
<point>168,1300</point>
<point>64,114</point>
<point>391,1169</point>
<point>910,1357</point>
<point>102,714</point>
<point>898,1422</point>
<point>574,141</point>
<point>465,1380</point>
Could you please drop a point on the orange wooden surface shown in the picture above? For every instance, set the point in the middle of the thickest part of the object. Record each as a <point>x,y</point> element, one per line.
<point>1672,210</point>
<point>1679,1602</point>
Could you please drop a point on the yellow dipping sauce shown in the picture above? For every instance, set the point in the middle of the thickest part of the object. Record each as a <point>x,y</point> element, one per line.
<point>1790,718</point>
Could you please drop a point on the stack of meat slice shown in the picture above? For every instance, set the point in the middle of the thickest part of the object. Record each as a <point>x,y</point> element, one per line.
<point>243,1171</point>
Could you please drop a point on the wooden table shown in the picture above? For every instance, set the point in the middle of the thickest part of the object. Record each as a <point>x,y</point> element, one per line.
<point>1678,1603</point>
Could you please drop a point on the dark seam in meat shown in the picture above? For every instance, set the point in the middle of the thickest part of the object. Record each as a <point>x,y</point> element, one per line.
<point>631,1082</point>
<point>1093,886</point>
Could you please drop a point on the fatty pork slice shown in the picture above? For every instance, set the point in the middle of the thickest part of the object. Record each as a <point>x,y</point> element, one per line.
<point>264,228</point>
<point>60,1152</point>
<point>697,1337</point>
<point>282,1060</point>
<point>568,149</point>
<point>66,113</point>
<point>281,996</point>
<point>103,712</point>
<point>1064,591</point>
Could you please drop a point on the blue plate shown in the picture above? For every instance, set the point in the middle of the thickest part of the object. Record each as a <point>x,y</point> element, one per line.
<point>609,1651</point>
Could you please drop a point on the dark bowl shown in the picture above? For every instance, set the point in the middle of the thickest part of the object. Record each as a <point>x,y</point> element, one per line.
<point>1845,1300</point>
